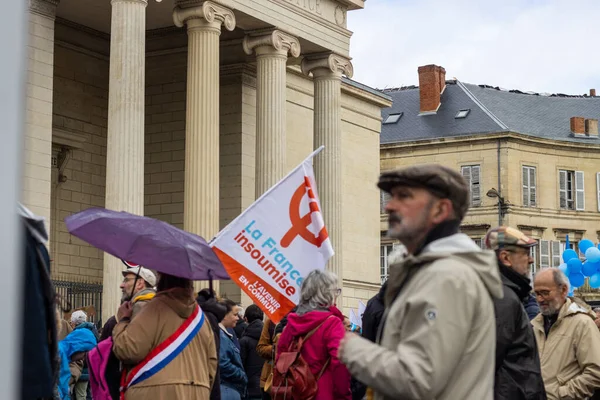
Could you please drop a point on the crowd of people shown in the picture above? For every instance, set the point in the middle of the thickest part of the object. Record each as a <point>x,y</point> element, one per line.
<point>451,322</point>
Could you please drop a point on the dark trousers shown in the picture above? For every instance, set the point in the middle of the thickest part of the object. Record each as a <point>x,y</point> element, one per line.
<point>266,396</point>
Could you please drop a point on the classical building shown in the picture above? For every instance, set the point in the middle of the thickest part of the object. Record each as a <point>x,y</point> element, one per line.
<point>186,111</point>
<point>532,160</point>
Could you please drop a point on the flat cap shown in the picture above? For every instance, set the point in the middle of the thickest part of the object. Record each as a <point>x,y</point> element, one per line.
<point>503,236</point>
<point>440,181</point>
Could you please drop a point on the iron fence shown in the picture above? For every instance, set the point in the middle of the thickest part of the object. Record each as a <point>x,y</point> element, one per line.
<point>81,294</point>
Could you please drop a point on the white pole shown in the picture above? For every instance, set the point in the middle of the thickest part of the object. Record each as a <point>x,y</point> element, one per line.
<point>12,105</point>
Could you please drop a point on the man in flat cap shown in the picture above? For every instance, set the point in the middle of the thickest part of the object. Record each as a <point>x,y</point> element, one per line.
<point>438,333</point>
<point>518,371</point>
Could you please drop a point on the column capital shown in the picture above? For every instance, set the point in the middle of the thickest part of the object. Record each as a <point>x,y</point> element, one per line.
<point>209,11</point>
<point>277,40</point>
<point>327,64</point>
<point>46,8</point>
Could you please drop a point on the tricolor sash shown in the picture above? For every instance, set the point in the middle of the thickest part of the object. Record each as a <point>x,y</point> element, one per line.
<point>165,352</point>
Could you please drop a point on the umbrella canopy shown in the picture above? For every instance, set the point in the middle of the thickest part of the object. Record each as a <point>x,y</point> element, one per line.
<point>148,242</point>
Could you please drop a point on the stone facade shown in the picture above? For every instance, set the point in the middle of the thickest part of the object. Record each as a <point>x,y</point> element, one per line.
<point>77,86</point>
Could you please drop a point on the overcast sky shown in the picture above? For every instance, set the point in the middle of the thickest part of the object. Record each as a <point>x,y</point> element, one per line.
<point>539,45</point>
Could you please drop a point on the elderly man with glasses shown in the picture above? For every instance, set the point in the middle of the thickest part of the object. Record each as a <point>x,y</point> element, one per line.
<point>567,338</point>
<point>518,374</point>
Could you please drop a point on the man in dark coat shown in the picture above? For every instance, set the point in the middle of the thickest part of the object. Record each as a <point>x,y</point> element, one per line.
<point>371,320</point>
<point>252,362</point>
<point>518,371</point>
<point>214,312</point>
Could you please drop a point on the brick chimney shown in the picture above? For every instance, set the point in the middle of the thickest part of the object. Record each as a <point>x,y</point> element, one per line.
<point>578,125</point>
<point>592,92</point>
<point>432,82</point>
<point>591,127</point>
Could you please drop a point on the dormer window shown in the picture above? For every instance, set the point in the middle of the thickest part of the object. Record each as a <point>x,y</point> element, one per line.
<point>392,118</point>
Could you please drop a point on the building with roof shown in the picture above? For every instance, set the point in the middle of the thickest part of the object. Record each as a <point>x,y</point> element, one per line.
<point>187,111</point>
<point>532,160</point>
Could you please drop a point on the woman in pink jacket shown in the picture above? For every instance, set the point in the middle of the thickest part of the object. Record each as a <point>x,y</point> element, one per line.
<point>318,297</point>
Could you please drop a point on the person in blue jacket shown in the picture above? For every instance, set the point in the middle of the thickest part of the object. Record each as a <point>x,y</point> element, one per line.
<point>233,377</point>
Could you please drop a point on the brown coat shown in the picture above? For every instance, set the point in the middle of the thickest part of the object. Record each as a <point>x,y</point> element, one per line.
<point>264,348</point>
<point>191,374</point>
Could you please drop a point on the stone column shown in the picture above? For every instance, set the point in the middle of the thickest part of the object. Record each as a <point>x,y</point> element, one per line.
<point>327,74</point>
<point>271,57</point>
<point>125,136</point>
<point>201,190</point>
<point>37,172</point>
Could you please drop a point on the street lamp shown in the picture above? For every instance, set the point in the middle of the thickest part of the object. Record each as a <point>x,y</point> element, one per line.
<point>502,204</point>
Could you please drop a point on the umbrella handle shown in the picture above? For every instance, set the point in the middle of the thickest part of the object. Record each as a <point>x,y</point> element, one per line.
<point>210,283</point>
<point>135,282</point>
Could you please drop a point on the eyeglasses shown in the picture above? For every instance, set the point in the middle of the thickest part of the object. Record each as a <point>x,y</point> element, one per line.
<point>337,291</point>
<point>543,293</point>
<point>127,280</point>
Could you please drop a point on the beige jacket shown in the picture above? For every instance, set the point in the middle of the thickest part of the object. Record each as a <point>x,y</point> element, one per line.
<point>570,355</point>
<point>439,333</point>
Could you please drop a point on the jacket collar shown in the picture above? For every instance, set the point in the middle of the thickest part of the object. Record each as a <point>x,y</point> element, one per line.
<point>518,283</point>
<point>568,309</point>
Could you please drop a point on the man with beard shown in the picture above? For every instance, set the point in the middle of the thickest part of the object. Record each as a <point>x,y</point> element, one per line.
<point>518,373</point>
<point>437,337</point>
<point>567,338</point>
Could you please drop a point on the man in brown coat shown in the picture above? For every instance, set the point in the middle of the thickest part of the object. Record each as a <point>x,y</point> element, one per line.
<point>191,374</point>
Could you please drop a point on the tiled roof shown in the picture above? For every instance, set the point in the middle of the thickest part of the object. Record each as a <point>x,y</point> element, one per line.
<point>492,110</point>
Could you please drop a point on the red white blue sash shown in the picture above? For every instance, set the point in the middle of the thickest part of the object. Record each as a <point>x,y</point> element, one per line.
<point>165,352</point>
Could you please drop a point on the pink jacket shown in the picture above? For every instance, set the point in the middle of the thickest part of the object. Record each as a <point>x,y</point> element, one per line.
<point>323,344</point>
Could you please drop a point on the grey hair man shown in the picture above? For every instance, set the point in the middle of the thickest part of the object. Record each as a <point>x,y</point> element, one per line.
<point>138,287</point>
<point>442,345</point>
<point>567,339</point>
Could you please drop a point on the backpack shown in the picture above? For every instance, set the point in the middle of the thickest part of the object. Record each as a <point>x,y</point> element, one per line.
<point>104,371</point>
<point>292,378</point>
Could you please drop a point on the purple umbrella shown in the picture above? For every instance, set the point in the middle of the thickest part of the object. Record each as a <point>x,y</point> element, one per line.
<point>148,242</point>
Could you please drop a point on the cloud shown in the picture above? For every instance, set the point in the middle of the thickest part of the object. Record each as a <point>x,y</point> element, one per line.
<point>538,45</point>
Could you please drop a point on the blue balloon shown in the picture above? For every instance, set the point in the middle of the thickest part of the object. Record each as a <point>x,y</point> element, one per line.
<point>595,281</point>
<point>564,268</point>
<point>585,244</point>
<point>576,279</point>
<point>589,268</point>
<point>569,254</point>
<point>574,265</point>
<point>592,255</point>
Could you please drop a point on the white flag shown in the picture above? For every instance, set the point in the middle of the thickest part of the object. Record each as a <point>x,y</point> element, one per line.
<point>361,310</point>
<point>355,319</point>
<point>272,246</point>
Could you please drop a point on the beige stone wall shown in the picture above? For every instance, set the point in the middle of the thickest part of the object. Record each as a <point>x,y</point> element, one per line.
<point>165,137</point>
<point>546,221</point>
<point>80,113</point>
<point>548,159</point>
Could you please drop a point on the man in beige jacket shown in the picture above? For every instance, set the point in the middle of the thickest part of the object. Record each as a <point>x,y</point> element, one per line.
<point>438,331</point>
<point>567,338</point>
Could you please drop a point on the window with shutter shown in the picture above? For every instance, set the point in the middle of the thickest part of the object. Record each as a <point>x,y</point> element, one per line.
<point>472,175</point>
<point>529,189</point>
<point>385,251</point>
<point>556,254</point>
<point>567,189</point>
<point>544,253</point>
<point>579,191</point>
